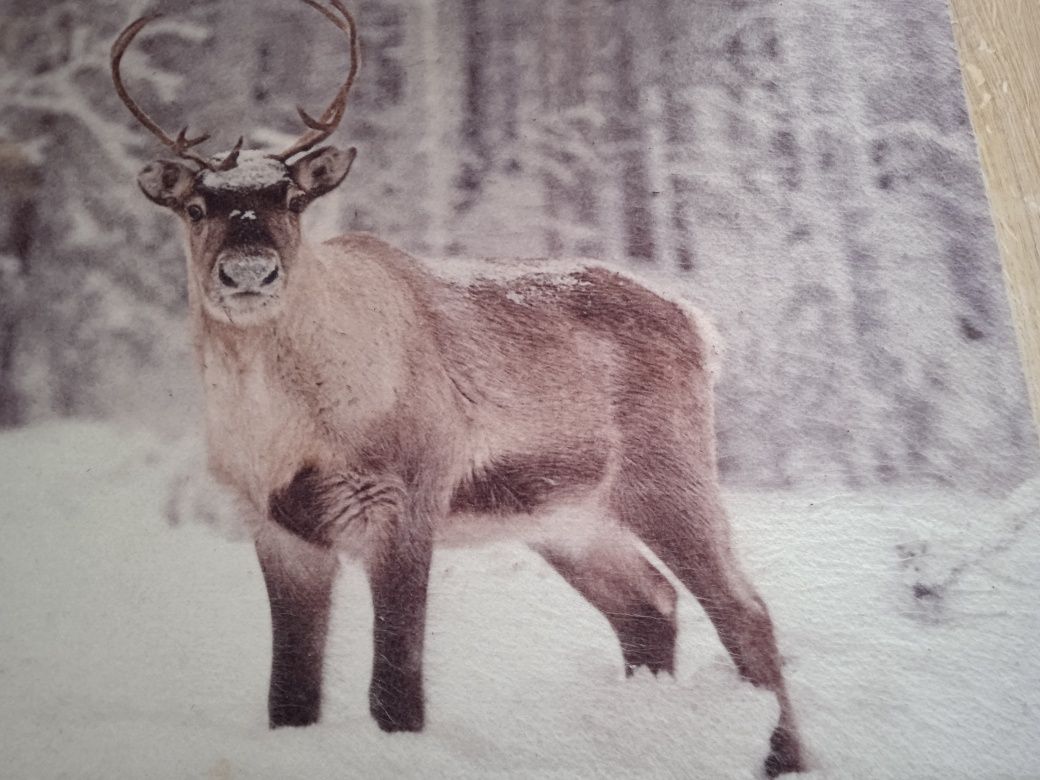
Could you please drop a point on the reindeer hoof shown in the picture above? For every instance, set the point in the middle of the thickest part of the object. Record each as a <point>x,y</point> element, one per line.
<point>293,714</point>
<point>396,707</point>
<point>647,639</point>
<point>409,721</point>
<point>785,754</point>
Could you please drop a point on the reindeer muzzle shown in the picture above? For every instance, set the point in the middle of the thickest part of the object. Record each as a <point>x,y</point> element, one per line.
<point>248,270</point>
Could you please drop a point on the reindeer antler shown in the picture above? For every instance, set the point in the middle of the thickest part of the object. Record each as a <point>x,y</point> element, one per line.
<point>318,129</point>
<point>181,145</point>
<point>322,128</point>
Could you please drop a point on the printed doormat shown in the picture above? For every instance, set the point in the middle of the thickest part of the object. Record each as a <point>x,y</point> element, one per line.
<point>573,389</point>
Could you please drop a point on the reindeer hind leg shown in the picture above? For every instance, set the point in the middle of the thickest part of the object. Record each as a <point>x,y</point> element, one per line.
<point>684,524</point>
<point>638,601</point>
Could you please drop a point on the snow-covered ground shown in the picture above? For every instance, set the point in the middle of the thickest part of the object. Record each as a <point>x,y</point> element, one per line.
<point>129,648</point>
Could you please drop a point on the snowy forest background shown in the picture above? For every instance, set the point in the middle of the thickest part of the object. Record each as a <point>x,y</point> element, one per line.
<point>804,171</point>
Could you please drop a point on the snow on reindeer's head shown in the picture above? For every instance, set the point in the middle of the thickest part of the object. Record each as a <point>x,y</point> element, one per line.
<point>241,208</point>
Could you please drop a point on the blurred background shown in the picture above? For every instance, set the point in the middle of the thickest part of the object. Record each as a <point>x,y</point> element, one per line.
<point>804,171</point>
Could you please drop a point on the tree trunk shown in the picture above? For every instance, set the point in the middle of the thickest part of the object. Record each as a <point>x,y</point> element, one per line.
<point>17,218</point>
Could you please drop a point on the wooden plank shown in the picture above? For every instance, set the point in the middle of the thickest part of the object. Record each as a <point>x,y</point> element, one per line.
<point>999,42</point>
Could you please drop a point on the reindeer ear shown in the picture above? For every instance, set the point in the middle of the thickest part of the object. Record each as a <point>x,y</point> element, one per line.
<point>166,182</point>
<point>322,170</point>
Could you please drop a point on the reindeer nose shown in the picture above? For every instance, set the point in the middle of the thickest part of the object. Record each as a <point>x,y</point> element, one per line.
<point>248,272</point>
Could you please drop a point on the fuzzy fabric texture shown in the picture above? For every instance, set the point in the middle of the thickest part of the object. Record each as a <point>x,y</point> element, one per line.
<point>803,171</point>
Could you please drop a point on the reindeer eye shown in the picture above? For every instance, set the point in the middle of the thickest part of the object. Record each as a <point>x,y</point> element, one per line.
<point>195,213</point>
<point>297,203</point>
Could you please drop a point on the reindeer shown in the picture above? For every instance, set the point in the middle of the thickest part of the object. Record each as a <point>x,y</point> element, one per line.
<point>363,403</point>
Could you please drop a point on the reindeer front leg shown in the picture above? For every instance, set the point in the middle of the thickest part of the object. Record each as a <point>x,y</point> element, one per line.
<point>299,578</point>
<point>398,564</point>
<point>375,517</point>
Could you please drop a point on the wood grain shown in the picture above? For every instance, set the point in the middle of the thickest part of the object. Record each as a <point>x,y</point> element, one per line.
<point>999,42</point>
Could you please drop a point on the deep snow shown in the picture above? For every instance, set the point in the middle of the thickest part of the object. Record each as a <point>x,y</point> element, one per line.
<point>129,648</point>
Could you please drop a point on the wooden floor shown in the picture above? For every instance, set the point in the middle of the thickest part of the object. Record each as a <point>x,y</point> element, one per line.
<point>999,42</point>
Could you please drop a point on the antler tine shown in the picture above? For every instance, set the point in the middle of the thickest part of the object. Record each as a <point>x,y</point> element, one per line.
<point>231,160</point>
<point>182,143</point>
<point>320,129</point>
